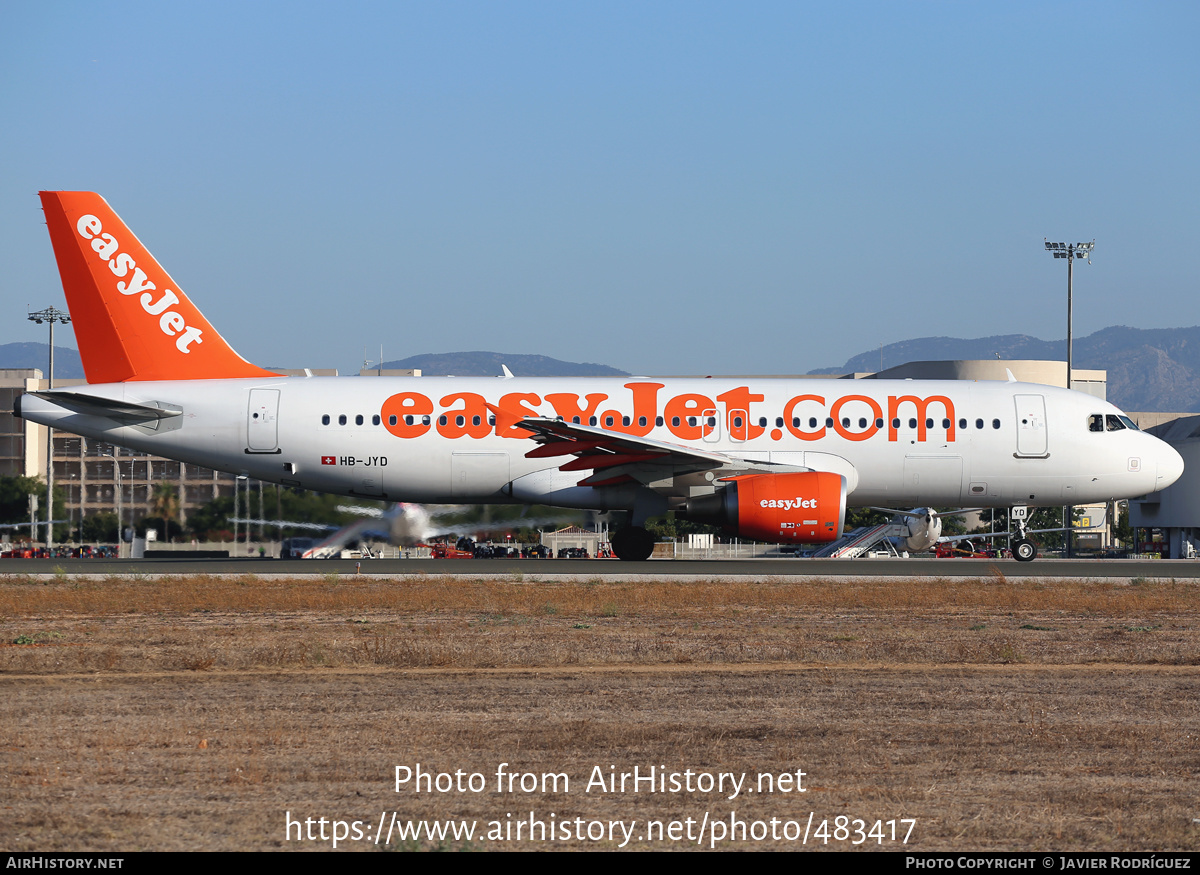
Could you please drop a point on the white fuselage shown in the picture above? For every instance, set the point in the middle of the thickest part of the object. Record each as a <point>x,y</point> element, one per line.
<point>434,439</point>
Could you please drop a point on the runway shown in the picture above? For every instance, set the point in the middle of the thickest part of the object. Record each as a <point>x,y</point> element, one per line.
<point>1128,569</point>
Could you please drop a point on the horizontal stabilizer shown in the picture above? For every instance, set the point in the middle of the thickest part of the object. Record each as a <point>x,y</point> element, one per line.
<point>92,405</point>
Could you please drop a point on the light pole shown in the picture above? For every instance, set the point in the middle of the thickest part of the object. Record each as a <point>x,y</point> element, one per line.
<point>1070,251</point>
<point>120,488</point>
<point>51,315</point>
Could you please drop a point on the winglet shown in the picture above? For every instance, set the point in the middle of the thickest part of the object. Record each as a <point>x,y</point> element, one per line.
<point>1011,378</point>
<point>131,320</point>
<point>509,419</point>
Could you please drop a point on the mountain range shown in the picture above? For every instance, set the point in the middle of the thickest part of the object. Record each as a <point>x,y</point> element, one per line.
<point>1148,369</point>
<point>487,364</point>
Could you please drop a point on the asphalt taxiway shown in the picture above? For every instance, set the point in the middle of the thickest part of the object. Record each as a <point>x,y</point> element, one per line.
<point>1181,569</point>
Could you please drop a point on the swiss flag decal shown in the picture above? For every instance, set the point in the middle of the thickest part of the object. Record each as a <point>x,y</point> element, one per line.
<point>329,460</point>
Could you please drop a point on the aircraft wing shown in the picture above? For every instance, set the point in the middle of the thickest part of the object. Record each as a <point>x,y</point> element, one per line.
<point>614,457</point>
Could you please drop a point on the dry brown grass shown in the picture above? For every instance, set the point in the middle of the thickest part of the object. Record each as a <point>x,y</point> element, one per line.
<point>193,712</point>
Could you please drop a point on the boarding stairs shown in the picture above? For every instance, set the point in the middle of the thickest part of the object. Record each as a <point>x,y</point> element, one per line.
<point>862,540</point>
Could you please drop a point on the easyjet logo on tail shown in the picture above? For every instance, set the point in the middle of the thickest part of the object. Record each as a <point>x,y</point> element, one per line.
<point>107,249</point>
<point>131,320</point>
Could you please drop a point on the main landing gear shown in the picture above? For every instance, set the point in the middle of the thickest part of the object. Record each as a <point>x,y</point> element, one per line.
<point>633,544</point>
<point>1023,549</point>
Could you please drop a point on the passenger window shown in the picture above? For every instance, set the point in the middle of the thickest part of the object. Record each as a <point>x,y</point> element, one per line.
<point>962,423</point>
<point>358,420</point>
<point>912,423</point>
<point>674,420</point>
<point>342,419</point>
<point>946,424</point>
<point>642,421</point>
<point>625,420</point>
<point>460,420</point>
<point>762,422</point>
<point>692,421</point>
<point>737,422</point>
<point>608,420</point>
<point>575,419</point>
<point>442,420</point>
<point>712,422</point>
<point>591,420</point>
<point>375,419</point>
<point>491,420</point>
<point>995,423</point>
<point>658,420</point>
<point>896,422</point>
<point>862,422</point>
<point>929,423</point>
<point>425,420</point>
<point>325,419</point>
<point>779,422</point>
<point>475,420</point>
<point>979,423</point>
<point>879,423</point>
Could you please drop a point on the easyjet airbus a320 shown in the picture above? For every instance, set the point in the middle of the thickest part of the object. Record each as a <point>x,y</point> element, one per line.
<point>771,459</point>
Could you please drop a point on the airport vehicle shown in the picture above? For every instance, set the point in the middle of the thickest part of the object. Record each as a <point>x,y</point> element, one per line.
<point>963,550</point>
<point>771,459</point>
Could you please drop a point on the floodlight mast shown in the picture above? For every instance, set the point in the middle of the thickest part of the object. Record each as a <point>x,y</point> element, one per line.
<point>1070,251</point>
<point>51,315</point>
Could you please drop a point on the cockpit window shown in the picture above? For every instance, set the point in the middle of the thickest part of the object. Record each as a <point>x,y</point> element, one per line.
<point>1113,423</point>
<point>1129,423</point>
<point>1096,422</point>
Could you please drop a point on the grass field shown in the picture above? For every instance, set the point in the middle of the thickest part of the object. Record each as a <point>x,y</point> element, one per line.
<point>203,713</point>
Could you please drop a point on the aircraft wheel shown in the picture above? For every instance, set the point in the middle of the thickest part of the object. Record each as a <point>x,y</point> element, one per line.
<point>1024,550</point>
<point>633,544</point>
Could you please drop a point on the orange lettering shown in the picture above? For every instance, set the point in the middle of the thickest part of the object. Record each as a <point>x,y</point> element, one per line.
<point>567,406</point>
<point>836,413</point>
<point>794,429</point>
<point>512,403</point>
<point>921,404</point>
<point>739,400</point>
<point>406,404</point>
<point>681,407</point>
<point>471,419</point>
<point>645,408</point>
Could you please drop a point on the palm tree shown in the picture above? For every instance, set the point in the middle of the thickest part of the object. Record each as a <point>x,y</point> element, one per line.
<point>164,504</point>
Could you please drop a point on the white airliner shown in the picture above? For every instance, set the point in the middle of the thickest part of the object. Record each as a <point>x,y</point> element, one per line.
<point>771,459</point>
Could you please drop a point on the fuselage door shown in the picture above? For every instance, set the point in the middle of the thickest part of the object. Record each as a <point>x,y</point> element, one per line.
<point>739,425</point>
<point>1031,425</point>
<point>262,421</point>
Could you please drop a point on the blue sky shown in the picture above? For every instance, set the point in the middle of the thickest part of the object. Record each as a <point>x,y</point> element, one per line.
<point>662,187</point>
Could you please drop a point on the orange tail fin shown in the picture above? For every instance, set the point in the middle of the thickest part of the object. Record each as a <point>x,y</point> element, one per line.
<point>131,320</point>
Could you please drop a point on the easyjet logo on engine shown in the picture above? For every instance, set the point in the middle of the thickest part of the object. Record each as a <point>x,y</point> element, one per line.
<point>688,416</point>
<point>170,322</point>
<point>788,503</point>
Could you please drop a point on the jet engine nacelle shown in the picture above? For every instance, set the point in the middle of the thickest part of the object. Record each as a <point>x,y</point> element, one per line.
<point>801,507</point>
<point>924,528</point>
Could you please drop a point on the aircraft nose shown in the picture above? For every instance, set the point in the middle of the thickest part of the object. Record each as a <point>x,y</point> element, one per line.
<point>1170,466</point>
